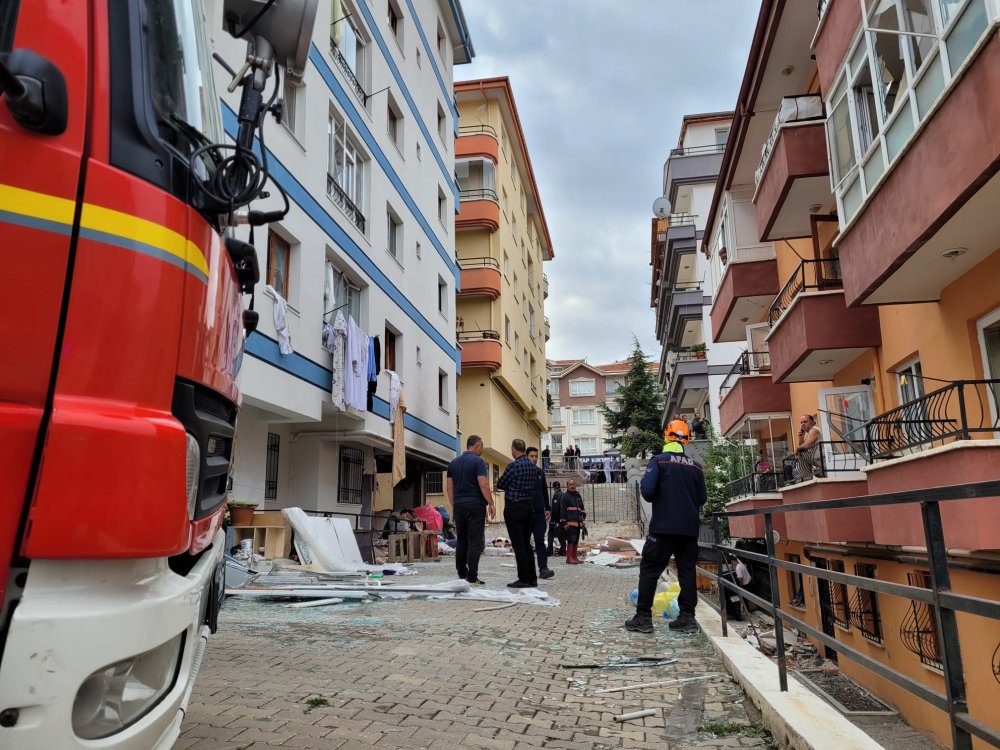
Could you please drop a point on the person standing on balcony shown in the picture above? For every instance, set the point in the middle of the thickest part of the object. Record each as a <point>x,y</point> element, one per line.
<point>808,450</point>
<point>543,512</point>
<point>518,485</point>
<point>698,427</point>
<point>675,486</point>
<point>469,492</point>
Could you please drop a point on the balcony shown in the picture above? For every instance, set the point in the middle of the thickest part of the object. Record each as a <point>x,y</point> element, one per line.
<point>340,197</point>
<point>679,314</point>
<point>480,277</point>
<point>748,287</point>
<point>687,381</point>
<point>813,333</point>
<point>547,328</point>
<point>948,434</point>
<point>755,490</point>
<point>793,175</point>
<point>691,165</point>
<point>348,71</point>
<point>481,349</point>
<point>477,140</point>
<point>478,208</point>
<point>748,389</point>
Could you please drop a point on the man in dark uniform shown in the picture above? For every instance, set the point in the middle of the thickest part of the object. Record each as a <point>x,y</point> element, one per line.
<point>555,531</point>
<point>573,516</point>
<point>541,520</point>
<point>471,499</point>
<point>675,485</point>
<point>518,485</point>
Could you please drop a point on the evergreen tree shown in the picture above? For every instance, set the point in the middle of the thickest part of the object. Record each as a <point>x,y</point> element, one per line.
<point>640,403</point>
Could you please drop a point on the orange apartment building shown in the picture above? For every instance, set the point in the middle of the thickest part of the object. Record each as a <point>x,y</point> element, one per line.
<point>866,142</point>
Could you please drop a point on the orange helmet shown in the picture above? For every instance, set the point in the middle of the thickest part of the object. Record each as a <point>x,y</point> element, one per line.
<point>677,432</point>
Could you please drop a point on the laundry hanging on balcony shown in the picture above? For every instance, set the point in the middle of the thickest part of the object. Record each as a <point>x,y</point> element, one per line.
<point>281,322</point>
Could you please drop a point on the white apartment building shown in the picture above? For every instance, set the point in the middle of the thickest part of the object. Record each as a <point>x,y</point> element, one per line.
<point>366,155</point>
<point>692,366</point>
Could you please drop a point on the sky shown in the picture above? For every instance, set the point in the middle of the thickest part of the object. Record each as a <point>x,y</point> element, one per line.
<point>601,88</point>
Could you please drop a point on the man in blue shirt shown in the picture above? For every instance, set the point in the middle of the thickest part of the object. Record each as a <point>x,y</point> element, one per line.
<point>471,499</point>
<point>675,486</point>
<point>518,484</point>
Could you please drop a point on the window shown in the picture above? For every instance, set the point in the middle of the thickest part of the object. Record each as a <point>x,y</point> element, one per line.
<point>585,416</point>
<point>506,329</point>
<point>587,444</point>
<point>506,265</point>
<point>419,152</point>
<point>434,482</point>
<point>350,476</point>
<point>524,209</point>
<point>347,171</point>
<point>349,50</point>
<point>394,123</point>
<point>420,361</point>
<point>271,467</point>
<point>517,346</point>
<point>394,235</point>
<point>293,114</point>
<point>531,320</point>
<point>420,58</point>
<point>443,389</point>
<point>524,257</point>
<point>441,43</point>
<point>721,136</point>
<point>442,207</point>
<point>345,298</point>
<point>557,415</point>
<point>419,251</point>
<point>840,604</point>
<point>442,124</point>
<point>279,253</point>
<point>513,228</point>
<point>557,445</point>
<point>581,387</point>
<point>554,388</point>
<point>516,286</point>
<point>864,607</point>
<point>442,296</point>
<point>919,628</point>
<point>391,343</point>
<point>796,592</point>
<point>394,20</point>
<point>476,179</point>
<point>503,146</point>
<point>503,200</point>
<point>613,385</point>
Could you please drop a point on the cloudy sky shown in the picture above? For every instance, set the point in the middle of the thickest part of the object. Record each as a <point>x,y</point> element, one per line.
<point>601,88</point>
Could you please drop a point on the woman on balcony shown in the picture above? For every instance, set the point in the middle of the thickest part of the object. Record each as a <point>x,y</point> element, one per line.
<point>808,450</point>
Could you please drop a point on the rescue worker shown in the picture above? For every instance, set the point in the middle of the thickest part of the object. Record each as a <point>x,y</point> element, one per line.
<point>675,486</point>
<point>573,515</point>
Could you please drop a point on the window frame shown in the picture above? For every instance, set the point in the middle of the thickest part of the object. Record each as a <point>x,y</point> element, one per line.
<point>271,466</point>
<point>578,419</point>
<point>272,238</point>
<point>575,383</point>
<point>394,235</point>
<point>348,172</point>
<point>390,349</point>
<point>350,466</point>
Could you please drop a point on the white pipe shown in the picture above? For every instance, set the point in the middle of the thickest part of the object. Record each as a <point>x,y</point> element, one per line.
<point>636,715</point>
<point>314,603</point>
<point>654,684</point>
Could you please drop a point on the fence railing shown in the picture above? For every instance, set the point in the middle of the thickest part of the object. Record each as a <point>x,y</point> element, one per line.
<point>755,483</point>
<point>682,220</point>
<point>345,68</point>
<point>478,335</point>
<point>340,197</point>
<point>811,274</point>
<point>477,129</point>
<point>748,363</point>
<point>477,194</point>
<point>484,262</point>
<point>939,596</point>
<point>713,148</point>
<point>829,457</point>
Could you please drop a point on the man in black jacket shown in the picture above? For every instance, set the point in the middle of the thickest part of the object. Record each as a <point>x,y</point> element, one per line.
<point>675,485</point>
<point>542,514</point>
<point>555,531</point>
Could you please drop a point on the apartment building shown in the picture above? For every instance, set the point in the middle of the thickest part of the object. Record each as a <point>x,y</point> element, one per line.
<point>365,152</point>
<point>853,242</point>
<point>691,365</point>
<point>577,390</point>
<point>503,243</point>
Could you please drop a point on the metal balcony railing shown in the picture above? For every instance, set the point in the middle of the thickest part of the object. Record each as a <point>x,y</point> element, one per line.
<point>714,148</point>
<point>682,220</point>
<point>341,199</point>
<point>477,130</point>
<point>828,457</point>
<point>345,68</point>
<point>478,335</point>
<point>755,483</point>
<point>478,194</point>
<point>484,262</point>
<point>815,274</point>
<point>951,697</point>
<point>748,363</point>
<point>958,411</point>
<point>801,108</point>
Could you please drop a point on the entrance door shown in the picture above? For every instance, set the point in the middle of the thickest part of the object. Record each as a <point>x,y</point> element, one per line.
<point>915,425</point>
<point>825,608</point>
<point>843,413</point>
<point>760,356</point>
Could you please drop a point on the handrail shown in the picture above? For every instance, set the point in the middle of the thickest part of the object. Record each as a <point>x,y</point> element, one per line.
<point>478,335</point>
<point>484,262</point>
<point>345,67</point>
<point>340,197</point>
<point>956,411</point>
<point>478,194</point>
<point>712,148</point>
<point>940,595</point>
<point>831,457</point>
<point>812,273</point>
<point>469,129</point>
<point>748,363</point>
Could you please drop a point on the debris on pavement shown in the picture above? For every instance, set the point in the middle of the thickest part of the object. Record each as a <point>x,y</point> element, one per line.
<point>636,715</point>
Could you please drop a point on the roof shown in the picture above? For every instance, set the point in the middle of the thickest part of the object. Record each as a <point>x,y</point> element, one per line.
<point>620,367</point>
<point>501,85</point>
<point>462,29</point>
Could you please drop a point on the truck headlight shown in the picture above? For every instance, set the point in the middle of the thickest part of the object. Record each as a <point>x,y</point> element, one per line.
<point>118,695</point>
<point>192,472</point>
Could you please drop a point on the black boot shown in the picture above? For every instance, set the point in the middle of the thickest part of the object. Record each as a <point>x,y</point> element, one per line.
<point>683,621</point>
<point>640,623</point>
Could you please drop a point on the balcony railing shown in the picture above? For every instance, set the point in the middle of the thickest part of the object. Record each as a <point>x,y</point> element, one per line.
<point>687,286</point>
<point>682,220</point>
<point>755,483</point>
<point>801,108</point>
<point>958,411</point>
<point>346,204</point>
<point>478,335</point>
<point>815,274</point>
<point>478,263</point>
<point>478,194</point>
<point>748,363</point>
<point>831,457</point>
<point>714,148</point>
<point>345,68</point>
<point>477,130</point>
<point>747,253</point>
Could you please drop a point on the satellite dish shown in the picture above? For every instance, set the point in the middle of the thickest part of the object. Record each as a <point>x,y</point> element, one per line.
<point>661,207</point>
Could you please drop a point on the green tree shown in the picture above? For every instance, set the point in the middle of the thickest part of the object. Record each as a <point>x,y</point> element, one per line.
<point>640,404</point>
<point>724,462</point>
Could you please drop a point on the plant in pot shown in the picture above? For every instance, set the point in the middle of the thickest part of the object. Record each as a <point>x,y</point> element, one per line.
<point>241,512</point>
<point>698,350</point>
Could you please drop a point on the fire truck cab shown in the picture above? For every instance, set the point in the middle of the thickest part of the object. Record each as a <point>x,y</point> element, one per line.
<point>120,343</point>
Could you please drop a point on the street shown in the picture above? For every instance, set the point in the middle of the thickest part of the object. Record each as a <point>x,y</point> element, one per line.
<point>436,674</point>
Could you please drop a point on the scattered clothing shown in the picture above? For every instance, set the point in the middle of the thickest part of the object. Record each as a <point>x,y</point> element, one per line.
<point>394,388</point>
<point>281,322</point>
<point>339,352</point>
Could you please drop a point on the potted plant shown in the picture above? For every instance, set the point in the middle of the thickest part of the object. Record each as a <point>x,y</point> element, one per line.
<point>698,350</point>
<point>241,512</point>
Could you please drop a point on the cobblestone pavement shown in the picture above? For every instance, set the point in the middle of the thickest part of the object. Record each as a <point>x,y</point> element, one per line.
<point>436,674</point>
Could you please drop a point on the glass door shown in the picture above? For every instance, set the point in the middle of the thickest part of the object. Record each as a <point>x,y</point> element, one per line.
<point>989,342</point>
<point>760,357</point>
<point>843,413</point>
<point>913,414</point>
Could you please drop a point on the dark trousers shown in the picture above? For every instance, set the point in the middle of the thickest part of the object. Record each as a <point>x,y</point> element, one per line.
<point>470,527</point>
<point>556,533</point>
<point>541,525</point>
<point>520,519</point>
<point>656,553</point>
<point>571,534</point>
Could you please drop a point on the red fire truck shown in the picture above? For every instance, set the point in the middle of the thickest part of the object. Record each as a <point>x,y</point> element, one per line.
<point>120,340</point>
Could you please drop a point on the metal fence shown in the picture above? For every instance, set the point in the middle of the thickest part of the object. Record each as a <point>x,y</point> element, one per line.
<point>613,502</point>
<point>937,596</point>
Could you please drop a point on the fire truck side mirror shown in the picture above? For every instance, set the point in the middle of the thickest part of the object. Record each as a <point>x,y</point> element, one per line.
<point>286,25</point>
<point>34,91</point>
<point>244,258</point>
